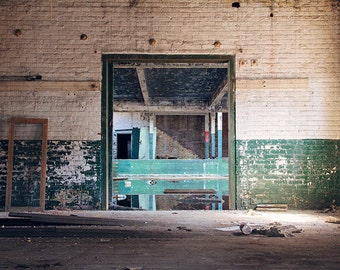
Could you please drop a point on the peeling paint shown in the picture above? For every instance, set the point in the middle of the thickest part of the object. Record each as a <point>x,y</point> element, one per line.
<point>301,173</point>
<point>72,173</point>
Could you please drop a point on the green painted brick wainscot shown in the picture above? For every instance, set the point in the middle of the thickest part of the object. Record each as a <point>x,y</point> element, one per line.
<point>304,174</point>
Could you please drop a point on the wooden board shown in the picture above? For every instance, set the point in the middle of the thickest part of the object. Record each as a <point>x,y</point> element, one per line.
<point>272,207</point>
<point>189,191</point>
<point>70,220</point>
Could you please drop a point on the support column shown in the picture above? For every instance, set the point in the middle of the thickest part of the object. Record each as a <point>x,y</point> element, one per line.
<point>219,134</point>
<point>152,122</point>
<point>151,129</point>
<point>206,135</point>
<point>212,133</point>
<point>106,135</point>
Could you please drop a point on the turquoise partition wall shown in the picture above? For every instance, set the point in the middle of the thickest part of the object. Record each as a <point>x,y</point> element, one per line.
<point>170,176</point>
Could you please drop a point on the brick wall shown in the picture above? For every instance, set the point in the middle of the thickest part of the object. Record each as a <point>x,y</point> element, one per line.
<point>301,173</point>
<point>72,173</point>
<point>71,177</point>
<point>287,60</point>
<point>180,136</point>
<point>72,115</point>
<point>271,40</point>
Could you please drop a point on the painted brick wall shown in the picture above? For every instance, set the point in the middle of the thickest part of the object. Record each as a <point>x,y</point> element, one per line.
<point>71,115</point>
<point>71,177</point>
<point>73,133</point>
<point>287,118</point>
<point>287,61</point>
<point>180,136</point>
<point>271,39</point>
<point>301,173</point>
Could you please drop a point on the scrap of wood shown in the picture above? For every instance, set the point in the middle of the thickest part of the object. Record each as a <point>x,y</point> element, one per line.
<point>202,200</point>
<point>272,207</point>
<point>333,220</point>
<point>119,178</point>
<point>68,220</point>
<point>275,205</point>
<point>189,191</point>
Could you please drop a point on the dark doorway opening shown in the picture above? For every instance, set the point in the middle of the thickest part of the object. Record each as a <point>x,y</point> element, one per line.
<point>123,146</point>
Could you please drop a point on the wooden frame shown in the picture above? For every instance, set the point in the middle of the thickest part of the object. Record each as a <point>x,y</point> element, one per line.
<point>44,123</point>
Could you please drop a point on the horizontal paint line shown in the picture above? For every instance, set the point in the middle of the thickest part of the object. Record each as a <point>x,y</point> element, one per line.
<point>49,86</point>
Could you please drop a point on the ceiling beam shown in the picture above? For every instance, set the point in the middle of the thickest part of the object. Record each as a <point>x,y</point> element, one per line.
<point>124,106</point>
<point>219,93</point>
<point>172,65</point>
<point>143,86</point>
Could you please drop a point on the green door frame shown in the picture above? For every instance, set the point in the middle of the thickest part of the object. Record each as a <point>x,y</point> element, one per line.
<point>107,99</point>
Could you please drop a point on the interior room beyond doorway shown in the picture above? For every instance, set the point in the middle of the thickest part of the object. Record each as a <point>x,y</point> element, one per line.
<point>171,116</point>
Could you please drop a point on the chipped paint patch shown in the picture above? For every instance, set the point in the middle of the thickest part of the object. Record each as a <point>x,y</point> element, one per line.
<point>73,169</point>
<point>73,174</point>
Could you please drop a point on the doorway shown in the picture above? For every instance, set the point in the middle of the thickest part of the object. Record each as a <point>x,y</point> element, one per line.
<point>153,85</point>
<point>124,149</point>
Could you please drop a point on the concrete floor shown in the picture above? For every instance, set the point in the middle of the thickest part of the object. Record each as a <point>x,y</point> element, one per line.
<point>178,240</point>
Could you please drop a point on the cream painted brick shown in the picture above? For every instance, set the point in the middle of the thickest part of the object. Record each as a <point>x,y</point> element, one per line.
<point>72,116</point>
<point>301,40</point>
<point>270,114</point>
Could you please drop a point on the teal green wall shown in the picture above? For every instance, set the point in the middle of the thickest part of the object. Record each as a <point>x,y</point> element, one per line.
<point>173,166</point>
<point>304,174</point>
<point>156,175</point>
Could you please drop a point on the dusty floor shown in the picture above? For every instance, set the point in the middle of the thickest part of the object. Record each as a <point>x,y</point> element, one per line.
<point>177,240</point>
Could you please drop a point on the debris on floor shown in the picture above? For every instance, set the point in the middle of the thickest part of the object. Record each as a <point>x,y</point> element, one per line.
<point>153,241</point>
<point>181,228</point>
<point>333,220</point>
<point>332,208</point>
<point>271,230</point>
<point>245,228</point>
<point>282,231</point>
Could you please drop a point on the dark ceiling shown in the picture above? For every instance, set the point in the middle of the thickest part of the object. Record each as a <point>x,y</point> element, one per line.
<point>179,86</point>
